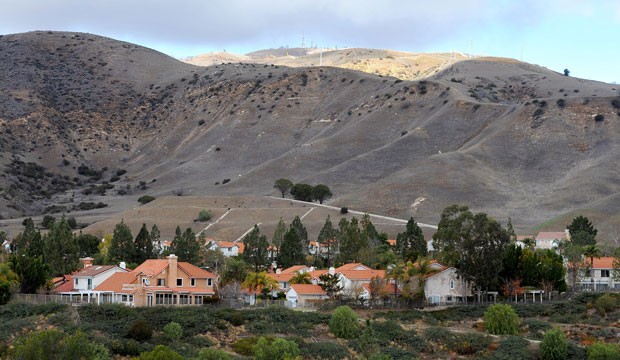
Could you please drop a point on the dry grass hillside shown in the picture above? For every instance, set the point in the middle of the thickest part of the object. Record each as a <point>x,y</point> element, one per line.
<point>88,122</point>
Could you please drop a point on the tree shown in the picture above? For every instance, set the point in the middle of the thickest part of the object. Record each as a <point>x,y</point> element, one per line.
<point>173,331</point>
<point>213,354</point>
<point>9,282</point>
<point>566,72</point>
<point>574,263</point>
<point>554,346</point>
<point>616,264</point>
<point>186,246</point>
<point>160,352</point>
<point>603,351</point>
<point>592,251</point>
<point>88,244</point>
<point>411,244</point>
<point>235,270</point>
<point>420,270</point>
<point>283,186</point>
<point>552,271</point>
<point>397,272</point>
<point>344,323</point>
<point>501,319</point>
<point>256,280</point>
<point>582,231</point>
<point>278,238</point>
<point>61,249</point>
<point>301,278</point>
<point>155,237</point>
<point>350,240</point>
<point>327,238</point>
<point>302,192</point>
<point>204,215</point>
<point>144,246</point>
<point>33,272</point>
<point>301,231</point>
<point>122,247</point>
<point>321,193</point>
<point>256,249</point>
<point>330,283</point>
<point>292,251</point>
<point>21,243</point>
<point>53,344</point>
<point>451,231</point>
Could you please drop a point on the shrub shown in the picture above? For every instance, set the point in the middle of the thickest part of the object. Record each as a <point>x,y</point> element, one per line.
<point>513,347</point>
<point>173,331</point>
<point>245,346</point>
<point>324,351</point>
<point>501,319</point>
<point>439,335</point>
<point>561,103</point>
<point>160,352</point>
<point>536,327</point>
<point>343,323</point>
<point>599,117</point>
<point>140,330</point>
<point>606,303</point>
<point>602,351</point>
<point>48,220</point>
<point>553,346</point>
<point>236,319</point>
<point>344,210</point>
<point>144,199</point>
<point>204,215</point>
<point>615,103</point>
<point>469,343</point>
<point>279,349</point>
<point>213,354</point>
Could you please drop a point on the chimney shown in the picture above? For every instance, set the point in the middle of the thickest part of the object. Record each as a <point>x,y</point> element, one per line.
<point>87,262</point>
<point>279,271</point>
<point>332,270</point>
<point>172,270</point>
<point>122,265</point>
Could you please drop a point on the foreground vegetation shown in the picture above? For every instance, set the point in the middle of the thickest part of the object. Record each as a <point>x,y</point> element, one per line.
<point>573,329</point>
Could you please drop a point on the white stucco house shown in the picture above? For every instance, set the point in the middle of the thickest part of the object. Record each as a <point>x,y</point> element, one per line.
<point>445,286</point>
<point>302,294</point>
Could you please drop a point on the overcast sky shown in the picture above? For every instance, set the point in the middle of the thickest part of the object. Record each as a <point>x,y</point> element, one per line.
<point>581,35</point>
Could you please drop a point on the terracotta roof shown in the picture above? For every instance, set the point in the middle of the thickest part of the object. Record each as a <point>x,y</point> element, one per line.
<point>317,273</point>
<point>96,270</point>
<point>281,277</point>
<point>117,280</point>
<point>605,262</point>
<point>180,289</point>
<point>551,235</point>
<point>363,274</point>
<point>391,242</point>
<point>523,237</point>
<point>294,268</point>
<point>227,244</point>
<point>314,243</point>
<point>241,247</point>
<point>66,286</point>
<point>152,266</point>
<point>352,266</point>
<point>194,271</point>
<point>388,288</point>
<point>308,289</point>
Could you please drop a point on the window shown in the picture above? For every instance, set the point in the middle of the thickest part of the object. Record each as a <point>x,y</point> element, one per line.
<point>451,284</point>
<point>161,282</point>
<point>75,281</point>
<point>180,282</point>
<point>198,300</point>
<point>604,273</point>
<point>90,284</point>
<point>124,298</point>
<point>192,282</point>
<point>209,282</point>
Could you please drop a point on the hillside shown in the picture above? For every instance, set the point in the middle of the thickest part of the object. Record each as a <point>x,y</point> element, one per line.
<point>88,120</point>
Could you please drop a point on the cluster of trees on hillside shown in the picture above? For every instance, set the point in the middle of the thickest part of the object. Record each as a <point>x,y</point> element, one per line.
<point>303,192</point>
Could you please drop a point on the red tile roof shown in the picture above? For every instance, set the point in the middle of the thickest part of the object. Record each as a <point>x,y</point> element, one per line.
<point>605,262</point>
<point>388,288</point>
<point>96,270</point>
<point>152,266</point>
<point>308,289</point>
<point>353,266</point>
<point>391,242</point>
<point>292,269</point>
<point>194,271</point>
<point>117,280</point>
<point>551,235</point>
<point>363,274</point>
<point>64,286</point>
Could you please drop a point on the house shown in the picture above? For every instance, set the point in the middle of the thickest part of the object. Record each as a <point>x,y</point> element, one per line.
<point>228,248</point>
<point>600,275</point>
<point>352,276</point>
<point>391,242</point>
<point>551,239</point>
<point>6,246</point>
<point>303,294</point>
<point>283,277</point>
<point>387,290</point>
<point>81,285</point>
<point>445,285</point>
<point>160,282</point>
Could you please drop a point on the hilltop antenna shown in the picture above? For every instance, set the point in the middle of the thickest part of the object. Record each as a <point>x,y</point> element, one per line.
<point>303,41</point>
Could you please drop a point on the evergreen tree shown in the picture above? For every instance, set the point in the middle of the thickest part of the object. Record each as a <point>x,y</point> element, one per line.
<point>292,252</point>
<point>411,244</point>
<point>33,272</point>
<point>122,247</point>
<point>255,249</point>
<point>88,244</point>
<point>21,243</point>
<point>370,235</point>
<point>327,238</point>
<point>351,241</point>
<point>37,246</point>
<point>301,231</point>
<point>155,238</point>
<point>278,237</point>
<point>144,246</point>
<point>582,232</point>
<point>61,249</point>
<point>186,246</point>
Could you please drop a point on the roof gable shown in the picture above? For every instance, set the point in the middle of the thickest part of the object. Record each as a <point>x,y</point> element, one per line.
<point>308,289</point>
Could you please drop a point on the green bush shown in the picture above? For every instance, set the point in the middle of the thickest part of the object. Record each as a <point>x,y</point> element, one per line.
<point>343,323</point>
<point>278,349</point>
<point>512,347</point>
<point>173,331</point>
<point>602,351</point>
<point>204,215</point>
<point>144,199</point>
<point>160,352</point>
<point>245,346</point>
<point>501,319</point>
<point>323,351</point>
<point>606,303</point>
<point>469,343</point>
<point>554,346</point>
<point>140,330</point>
<point>53,344</point>
<point>439,335</point>
<point>536,327</point>
<point>213,354</point>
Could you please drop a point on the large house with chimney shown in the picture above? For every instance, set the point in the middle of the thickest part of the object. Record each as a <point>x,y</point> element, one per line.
<point>159,282</point>
<point>81,285</point>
